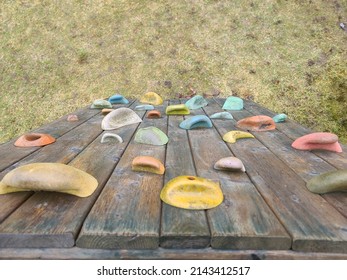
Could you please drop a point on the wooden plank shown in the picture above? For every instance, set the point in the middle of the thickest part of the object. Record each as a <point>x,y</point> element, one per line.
<point>294,130</point>
<point>305,163</point>
<point>162,254</point>
<point>313,224</point>
<point>56,218</point>
<point>232,225</point>
<point>69,145</point>
<point>127,212</point>
<point>11,154</point>
<point>181,228</point>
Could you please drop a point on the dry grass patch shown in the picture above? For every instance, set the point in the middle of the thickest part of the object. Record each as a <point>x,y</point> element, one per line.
<point>58,56</point>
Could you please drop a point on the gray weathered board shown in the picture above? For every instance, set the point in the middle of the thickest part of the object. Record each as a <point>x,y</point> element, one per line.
<point>267,212</point>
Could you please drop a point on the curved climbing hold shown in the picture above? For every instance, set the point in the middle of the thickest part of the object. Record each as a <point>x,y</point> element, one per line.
<point>118,99</point>
<point>34,140</point>
<point>318,141</point>
<point>279,118</point>
<point>191,192</point>
<point>111,137</point>
<point>72,118</point>
<point>257,123</point>
<point>144,107</point>
<point>230,164</point>
<point>151,98</point>
<point>233,103</point>
<point>151,136</point>
<point>179,109</point>
<point>222,115</point>
<point>154,114</point>
<point>196,122</point>
<point>55,177</point>
<point>105,111</point>
<point>332,181</point>
<point>233,135</point>
<point>100,104</point>
<point>118,118</point>
<point>148,164</point>
<point>196,102</point>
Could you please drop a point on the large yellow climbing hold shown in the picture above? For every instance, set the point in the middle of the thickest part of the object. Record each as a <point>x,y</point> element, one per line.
<point>191,192</point>
<point>44,176</point>
<point>151,98</point>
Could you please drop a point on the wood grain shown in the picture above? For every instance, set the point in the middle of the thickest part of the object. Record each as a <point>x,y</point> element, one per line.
<point>127,212</point>
<point>181,228</point>
<point>312,222</point>
<point>234,226</point>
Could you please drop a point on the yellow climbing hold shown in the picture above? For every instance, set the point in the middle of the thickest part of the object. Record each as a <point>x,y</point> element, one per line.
<point>179,109</point>
<point>151,98</point>
<point>233,135</point>
<point>191,192</point>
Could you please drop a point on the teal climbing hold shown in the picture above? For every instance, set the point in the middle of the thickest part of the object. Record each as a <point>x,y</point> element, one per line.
<point>118,99</point>
<point>280,118</point>
<point>196,102</point>
<point>233,103</point>
<point>222,115</point>
<point>195,122</point>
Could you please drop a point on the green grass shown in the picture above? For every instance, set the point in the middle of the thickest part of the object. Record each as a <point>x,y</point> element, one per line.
<point>56,56</point>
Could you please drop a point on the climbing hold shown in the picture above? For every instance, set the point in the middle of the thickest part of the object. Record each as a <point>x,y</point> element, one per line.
<point>100,104</point>
<point>332,181</point>
<point>34,140</point>
<point>191,192</point>
<point>72,118</point>
<point>118,99</point>
<point>318,141</point>
<point>148,164</point>
<point>144,107</point>
<point>49,177</point>
<point>195,122</point>
<point>233,135</point>
<point>279,118</point>
<point>196,102</point>
<point>257,123</point>
<point>233,103</point>
<point>151,136</point>
<point>154,114</point>
<point>180,109</point>
<point>222,115</point>
<point>111,137</point>
<point>105,111</point>
<point>230,164</point>
<point>118,118</point>
<point>151,98</point>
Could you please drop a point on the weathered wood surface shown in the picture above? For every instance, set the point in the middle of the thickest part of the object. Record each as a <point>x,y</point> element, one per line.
<point>127,212</point>
<point>181,228</point>
<point>311,221</point>
<point>162,254</point>
<point>55,218</point>
<point>267,213</point>
<point>234,226</point>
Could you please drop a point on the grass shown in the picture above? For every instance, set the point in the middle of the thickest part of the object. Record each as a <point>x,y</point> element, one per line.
<point>57,56</point>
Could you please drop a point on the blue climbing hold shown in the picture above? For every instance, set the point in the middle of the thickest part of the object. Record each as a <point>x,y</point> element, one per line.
<point>195,122</point>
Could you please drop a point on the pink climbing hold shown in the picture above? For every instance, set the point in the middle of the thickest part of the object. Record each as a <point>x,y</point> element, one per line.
<point>318,141</point>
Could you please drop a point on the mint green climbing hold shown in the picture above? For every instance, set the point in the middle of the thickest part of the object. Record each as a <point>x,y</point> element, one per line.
<point>144,107</point>
<point>279,118</point>
<point>151,136</point>
<point>196,102</point>
<point>101,104</point>
<point>222,115</point>
<point>233,103</point>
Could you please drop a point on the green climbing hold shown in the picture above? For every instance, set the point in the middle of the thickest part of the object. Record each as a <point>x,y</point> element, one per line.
<point>233,103</point>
